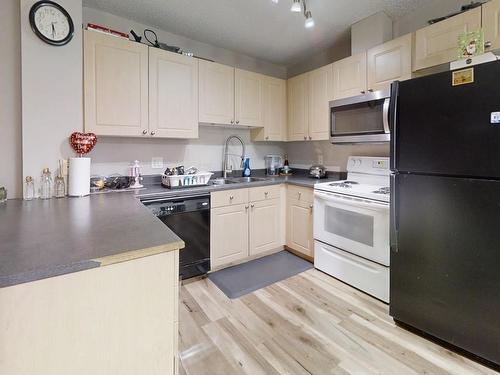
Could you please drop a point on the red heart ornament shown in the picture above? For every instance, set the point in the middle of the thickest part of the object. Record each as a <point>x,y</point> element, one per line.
<point>82,143</point>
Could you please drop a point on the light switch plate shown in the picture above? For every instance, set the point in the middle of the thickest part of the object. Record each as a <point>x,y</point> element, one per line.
<point>157,163</point>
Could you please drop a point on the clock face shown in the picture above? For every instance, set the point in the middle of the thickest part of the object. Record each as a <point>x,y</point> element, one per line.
<point>51,23</point>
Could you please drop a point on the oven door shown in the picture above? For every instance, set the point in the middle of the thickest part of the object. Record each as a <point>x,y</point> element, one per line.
<point>360,119</point>
<point>355,225</point>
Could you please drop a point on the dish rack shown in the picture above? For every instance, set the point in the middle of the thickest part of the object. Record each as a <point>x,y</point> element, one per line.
<point>186,180</point>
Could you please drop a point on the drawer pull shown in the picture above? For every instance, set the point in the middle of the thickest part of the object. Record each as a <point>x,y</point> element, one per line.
<point>231,197</point>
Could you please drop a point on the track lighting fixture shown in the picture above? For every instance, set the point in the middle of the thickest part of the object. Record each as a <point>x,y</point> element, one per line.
<point>296,6</point>
<point>300,6</point>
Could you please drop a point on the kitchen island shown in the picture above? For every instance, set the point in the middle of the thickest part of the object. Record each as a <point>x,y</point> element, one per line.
<point>87,286</point>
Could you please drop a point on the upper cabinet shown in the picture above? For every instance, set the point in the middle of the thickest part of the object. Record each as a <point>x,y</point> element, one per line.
<point>298,104</point>
<point>389,62</point>
<point>491,24</point>
<point>115,86</point>
<point>216,82</point>
<point>349,76</point>
<point>437,44</point>
<point>173,95</point>
<point>320,94</point>
<point>275,111</point>
<point>248,101</point>
<point>230,96</point>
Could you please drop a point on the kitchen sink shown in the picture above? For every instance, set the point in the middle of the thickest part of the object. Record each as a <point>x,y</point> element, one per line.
<point>222,181</point>
<point>240,180</point>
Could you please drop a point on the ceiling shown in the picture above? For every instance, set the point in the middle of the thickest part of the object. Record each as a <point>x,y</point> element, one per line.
<point>257,28</point>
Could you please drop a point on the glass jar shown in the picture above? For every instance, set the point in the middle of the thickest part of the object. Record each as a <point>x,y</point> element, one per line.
<point>46,184</point>
<point>3,194</point>
<point>29,188</point>
<point>59,187</point>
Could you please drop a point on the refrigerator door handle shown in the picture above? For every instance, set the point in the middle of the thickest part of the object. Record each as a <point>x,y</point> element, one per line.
<point>394,218</point>
<point>385,114</point>
<point>392,118</point>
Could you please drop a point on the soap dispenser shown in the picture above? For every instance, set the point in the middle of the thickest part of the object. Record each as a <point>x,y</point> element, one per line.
<point>246,168</point>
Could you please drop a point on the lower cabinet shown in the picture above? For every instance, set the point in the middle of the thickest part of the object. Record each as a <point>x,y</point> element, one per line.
<point>228,234</point>
<point>265,226</point>
<point>252,227</point>
<point>299,212</point>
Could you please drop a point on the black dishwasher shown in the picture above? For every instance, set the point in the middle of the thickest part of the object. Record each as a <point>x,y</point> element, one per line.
<point>189,218</point>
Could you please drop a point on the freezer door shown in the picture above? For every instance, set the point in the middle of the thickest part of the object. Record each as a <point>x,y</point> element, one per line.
<point>445,270</point>
<point>449,130</point>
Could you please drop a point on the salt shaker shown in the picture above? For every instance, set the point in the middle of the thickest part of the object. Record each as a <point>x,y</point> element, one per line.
<point>46,185</point>
<point>29,188</point>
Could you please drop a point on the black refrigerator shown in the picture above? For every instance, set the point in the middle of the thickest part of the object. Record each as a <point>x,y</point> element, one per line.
<point>445,208</point>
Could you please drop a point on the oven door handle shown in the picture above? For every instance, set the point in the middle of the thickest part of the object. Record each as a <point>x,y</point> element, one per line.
<point>355,202</point>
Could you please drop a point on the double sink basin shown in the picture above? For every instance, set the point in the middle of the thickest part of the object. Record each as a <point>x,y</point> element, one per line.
<point>236,180</point>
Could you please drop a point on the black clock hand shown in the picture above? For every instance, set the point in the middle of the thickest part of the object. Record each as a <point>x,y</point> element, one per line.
<point>53,30</point>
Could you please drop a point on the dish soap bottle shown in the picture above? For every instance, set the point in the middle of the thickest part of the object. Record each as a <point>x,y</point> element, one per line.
<point>246,168</point>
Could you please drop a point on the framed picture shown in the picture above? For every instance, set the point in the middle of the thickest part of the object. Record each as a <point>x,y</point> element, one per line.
<point>470,44</point>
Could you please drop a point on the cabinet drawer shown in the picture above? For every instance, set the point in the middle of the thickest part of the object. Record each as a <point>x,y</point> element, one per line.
<point>229,197</point>
<point>301,194</point>
<point>264,193</point>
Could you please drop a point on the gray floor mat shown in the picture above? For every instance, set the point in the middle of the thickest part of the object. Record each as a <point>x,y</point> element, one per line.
<point>245,278</point>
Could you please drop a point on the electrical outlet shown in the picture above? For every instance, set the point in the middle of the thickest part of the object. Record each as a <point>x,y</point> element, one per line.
<point>320,159</point>
<point>157,163</point>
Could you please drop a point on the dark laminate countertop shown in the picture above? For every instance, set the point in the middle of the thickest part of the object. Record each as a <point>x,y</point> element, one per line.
<point>40,239</point>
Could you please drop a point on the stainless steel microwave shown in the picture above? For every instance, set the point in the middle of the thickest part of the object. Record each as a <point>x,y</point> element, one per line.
<point>361,119</point>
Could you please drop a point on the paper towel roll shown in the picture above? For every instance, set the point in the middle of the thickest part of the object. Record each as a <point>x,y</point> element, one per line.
<point>79,177</point>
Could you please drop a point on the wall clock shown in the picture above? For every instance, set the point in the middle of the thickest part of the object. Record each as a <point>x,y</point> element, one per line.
<point>51,23</point>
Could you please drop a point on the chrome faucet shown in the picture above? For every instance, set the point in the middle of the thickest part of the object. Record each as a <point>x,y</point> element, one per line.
<point>225,169</point>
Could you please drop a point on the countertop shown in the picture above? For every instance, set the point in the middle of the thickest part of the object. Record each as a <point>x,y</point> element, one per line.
<point>41,239</point>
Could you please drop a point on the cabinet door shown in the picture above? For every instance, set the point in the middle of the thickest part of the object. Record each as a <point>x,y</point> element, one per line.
<point>298,108</point>
<point>320,94</point>
<point>265,226</point>
<point>491,23</point>
<point>349,76</point>
<point>115,85</point>
<point>173,95</point>
<point>216,93</point>
<point>389,62</point>
<point>300,227</point>
<point>228,234</point>
<point>249,110</point>
<point>437,44</point>
<point>275,109</point>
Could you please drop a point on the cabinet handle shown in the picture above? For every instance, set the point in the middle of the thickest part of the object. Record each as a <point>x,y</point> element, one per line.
<point>267,138</point>
<point>252,205</point>
<point>232,121</point>
<point>363,92</point>
<point>144,132</point>
<point>153,132</point>
<point>311,208</point>
<point>488,44</point>
<point>246,207</point>
<point>300,194</point>
<point>305,138</point>
<point>237,121</point>
<point>310,138</point>
<point>231,197</point>
<point>370,90</point>
<point>266,193</point>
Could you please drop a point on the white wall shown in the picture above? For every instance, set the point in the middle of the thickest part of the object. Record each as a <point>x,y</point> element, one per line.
<point>204,50</point>
<point>51,93</point>
<point>113,155</point>
<point>419,18</point>
<point>10,99</point>
<point>334,157</point>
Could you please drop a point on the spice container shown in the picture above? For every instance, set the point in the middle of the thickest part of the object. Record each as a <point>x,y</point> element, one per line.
<point>29,188</point>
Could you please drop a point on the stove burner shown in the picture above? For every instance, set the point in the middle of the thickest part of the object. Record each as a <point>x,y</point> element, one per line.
<point>344,184</point>
<point>384,191</point>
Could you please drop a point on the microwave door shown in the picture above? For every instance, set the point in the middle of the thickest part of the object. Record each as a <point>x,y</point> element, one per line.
<point>359,122</point>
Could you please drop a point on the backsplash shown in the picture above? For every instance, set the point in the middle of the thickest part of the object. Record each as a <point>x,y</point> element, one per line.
<point>114,155</point>
<point>333,157</point>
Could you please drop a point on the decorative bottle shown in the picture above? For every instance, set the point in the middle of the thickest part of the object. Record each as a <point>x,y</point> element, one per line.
<point>29,188</point>
<point>46,185</point>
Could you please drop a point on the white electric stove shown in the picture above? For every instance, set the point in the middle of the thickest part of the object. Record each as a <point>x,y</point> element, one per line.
<point>351,226</point>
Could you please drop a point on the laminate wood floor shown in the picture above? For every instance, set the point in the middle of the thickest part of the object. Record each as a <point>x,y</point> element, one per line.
<point>308,324</point>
